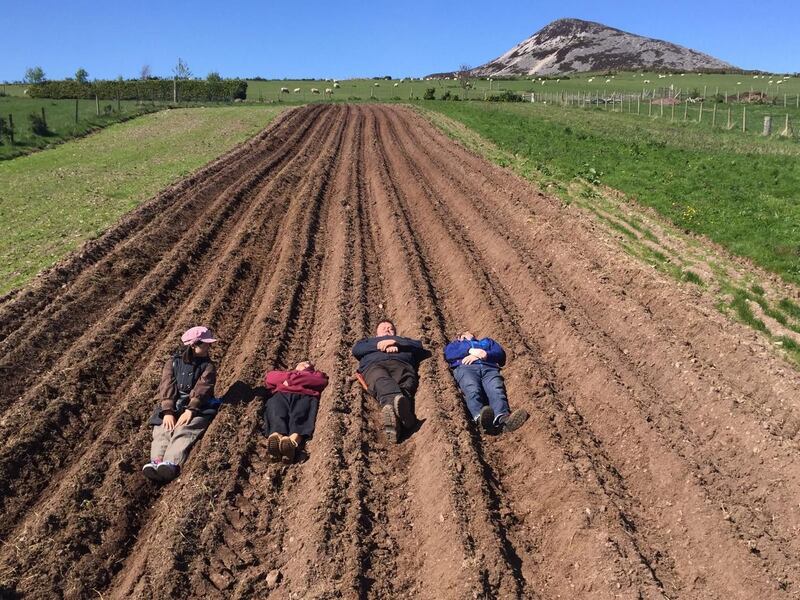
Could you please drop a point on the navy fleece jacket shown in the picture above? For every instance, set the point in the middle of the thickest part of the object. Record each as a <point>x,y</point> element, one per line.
<point>458,349</point>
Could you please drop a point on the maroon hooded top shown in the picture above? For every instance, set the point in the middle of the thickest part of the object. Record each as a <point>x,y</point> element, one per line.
<point>307,382</point>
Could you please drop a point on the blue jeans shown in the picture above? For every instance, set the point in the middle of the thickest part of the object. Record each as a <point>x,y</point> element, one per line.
<point>482,385</point>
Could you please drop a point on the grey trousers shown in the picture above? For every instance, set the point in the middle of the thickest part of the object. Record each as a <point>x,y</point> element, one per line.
<point>173,446</point>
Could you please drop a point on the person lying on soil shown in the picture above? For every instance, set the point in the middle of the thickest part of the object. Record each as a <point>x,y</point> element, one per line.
<point>185,407</point>
<point>388,364</point>
<point>476,365</point>
<point>291,411</point>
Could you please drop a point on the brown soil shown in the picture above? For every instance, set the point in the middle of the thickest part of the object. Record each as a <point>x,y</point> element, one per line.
<point>660,459</point>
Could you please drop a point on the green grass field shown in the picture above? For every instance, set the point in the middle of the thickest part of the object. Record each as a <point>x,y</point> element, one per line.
<point>365,89</point>
<point>54,200</point>
<point>741,191</point>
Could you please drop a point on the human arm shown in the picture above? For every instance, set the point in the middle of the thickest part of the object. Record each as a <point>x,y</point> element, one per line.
<point>456,350</point>
<point>495,353</point>
<point>309,380</point>
<point>167,389</point>
<point>364,347</point>
<point>273,379</point>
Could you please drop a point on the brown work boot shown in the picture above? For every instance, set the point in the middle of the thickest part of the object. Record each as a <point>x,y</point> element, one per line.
<point>404,412</point>
<point>514,421</point>
<point>391,423</point>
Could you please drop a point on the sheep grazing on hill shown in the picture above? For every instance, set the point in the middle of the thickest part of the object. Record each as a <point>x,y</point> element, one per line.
<point>608,81</point>
<point>314,90</point>
<point>646,81</point>
<point>284,90</point>
<point>590,80</point>
<point>336,86</point>
<point>396,84</point>
<point>328,90</point>
<point>377,85</point>
<point>296,90</point>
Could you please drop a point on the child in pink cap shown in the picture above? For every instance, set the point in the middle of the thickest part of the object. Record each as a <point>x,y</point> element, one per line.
<point>186,405</point>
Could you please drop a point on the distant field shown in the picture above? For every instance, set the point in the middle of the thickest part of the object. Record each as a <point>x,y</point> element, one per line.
<point>13,89</point>
<point>742,191</point>
<point>622,82</point>
<point>54,200</point>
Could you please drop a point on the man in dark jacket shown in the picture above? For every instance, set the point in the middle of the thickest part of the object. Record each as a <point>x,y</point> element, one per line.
<point>388,364</point>
<point>476,365</point>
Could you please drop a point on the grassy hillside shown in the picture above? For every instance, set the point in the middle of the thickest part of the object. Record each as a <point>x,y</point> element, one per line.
<point>741,191</point>
<point>52,201</point>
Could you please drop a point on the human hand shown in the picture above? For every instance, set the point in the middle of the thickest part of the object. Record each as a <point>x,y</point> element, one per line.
<point>469,359</point>
<point>384,344</point>
<point>478,353</point>
<point>303,365</point>
<point>184,419</point>
<point>392,349</point>
<point>169,422</point>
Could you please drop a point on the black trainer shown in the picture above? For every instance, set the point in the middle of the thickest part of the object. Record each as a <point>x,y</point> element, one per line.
<point>390,423</point>
<point>486,419</point>
<point>402,408</point>
<point>515,420</point>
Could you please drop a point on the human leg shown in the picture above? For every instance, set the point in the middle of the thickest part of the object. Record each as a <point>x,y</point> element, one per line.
<point>381,383</point>
<point>276,414</point>
<point>183,438</point>
<point>494,386</point>
<point>469,380</point>
<point>160,442</point>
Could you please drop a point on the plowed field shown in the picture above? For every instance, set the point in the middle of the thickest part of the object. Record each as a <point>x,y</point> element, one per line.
<point>660,459</point>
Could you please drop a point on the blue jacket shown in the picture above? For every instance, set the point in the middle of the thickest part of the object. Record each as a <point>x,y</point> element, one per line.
<point>409,351</point>
<point>458,349</point>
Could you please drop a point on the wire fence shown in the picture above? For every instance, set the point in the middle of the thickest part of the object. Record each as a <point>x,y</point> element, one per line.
<point>754,113</point>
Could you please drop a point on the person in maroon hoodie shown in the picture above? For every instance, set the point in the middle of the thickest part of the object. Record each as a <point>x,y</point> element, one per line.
<point>291,411</point>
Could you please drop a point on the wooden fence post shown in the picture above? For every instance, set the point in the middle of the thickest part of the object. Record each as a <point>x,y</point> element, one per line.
<point>767,125</point>
<point>744,118</point>
<point>700,118</point>
<point>714,116</point>
<point>11,128</point>
<point>661,108</point>
<point>730,123</point>
<point>44,118</point>
<point>175,90</point>
<point>118,105</point>
<point>786,130</point>
<point>650,107</point>
<point>76,111</point>
<point>672,113</point>
<point>638,105</point>
<point>726,96</point>
<point>685,110</point>
<point>97,104</point>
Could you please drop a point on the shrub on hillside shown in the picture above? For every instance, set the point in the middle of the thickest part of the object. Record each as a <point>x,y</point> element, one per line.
<point>506,96</point>
<point>38,124</point>
<point>430,94</point>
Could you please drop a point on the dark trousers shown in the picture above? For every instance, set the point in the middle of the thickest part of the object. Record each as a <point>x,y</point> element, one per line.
<point>482,385</point>
<point>388,378</point>
<point>287,413</point>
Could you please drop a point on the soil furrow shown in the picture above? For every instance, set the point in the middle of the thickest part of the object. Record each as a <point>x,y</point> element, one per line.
<point>659,460</point>
<point>652,392</point>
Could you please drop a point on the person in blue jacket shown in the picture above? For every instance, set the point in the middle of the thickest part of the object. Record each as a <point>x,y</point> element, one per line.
<point>388,364</point>
<point>476,365</point>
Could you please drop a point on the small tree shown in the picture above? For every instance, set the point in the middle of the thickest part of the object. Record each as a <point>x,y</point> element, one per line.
<point>463,75</point>
<point>34,75</point>
<point>430,94</point>
<point>81,75</point>
<point>214,76</point>
<point>145,73</point>
<point>181,70</point>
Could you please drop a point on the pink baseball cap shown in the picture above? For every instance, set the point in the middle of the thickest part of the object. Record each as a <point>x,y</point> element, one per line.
<point>198,334</point>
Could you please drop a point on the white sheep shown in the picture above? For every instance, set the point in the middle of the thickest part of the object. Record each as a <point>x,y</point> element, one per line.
<point>608,81</point>
<point>396,84</point>
<point>314,90</point>
<point>377,84</point>
<point>646,81</point>
<point>296,90</point>
<point>328,91</point>
<point>590,80</point>
<point>336,86</point>
<point>284,90</point>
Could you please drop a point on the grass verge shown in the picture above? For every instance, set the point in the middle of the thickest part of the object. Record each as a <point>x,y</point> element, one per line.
<point>54,200</point>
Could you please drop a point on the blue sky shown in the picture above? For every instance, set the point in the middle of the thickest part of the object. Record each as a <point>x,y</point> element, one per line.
<point>350,39</point>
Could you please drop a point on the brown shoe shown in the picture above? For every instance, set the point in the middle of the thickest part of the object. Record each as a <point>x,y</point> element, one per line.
<point>515,420</point>
<point>402,408</point>
<point>288,450</point>
<point>274,446</point>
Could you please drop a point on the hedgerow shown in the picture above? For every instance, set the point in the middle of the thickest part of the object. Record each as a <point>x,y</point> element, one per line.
<point>152,89</point>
